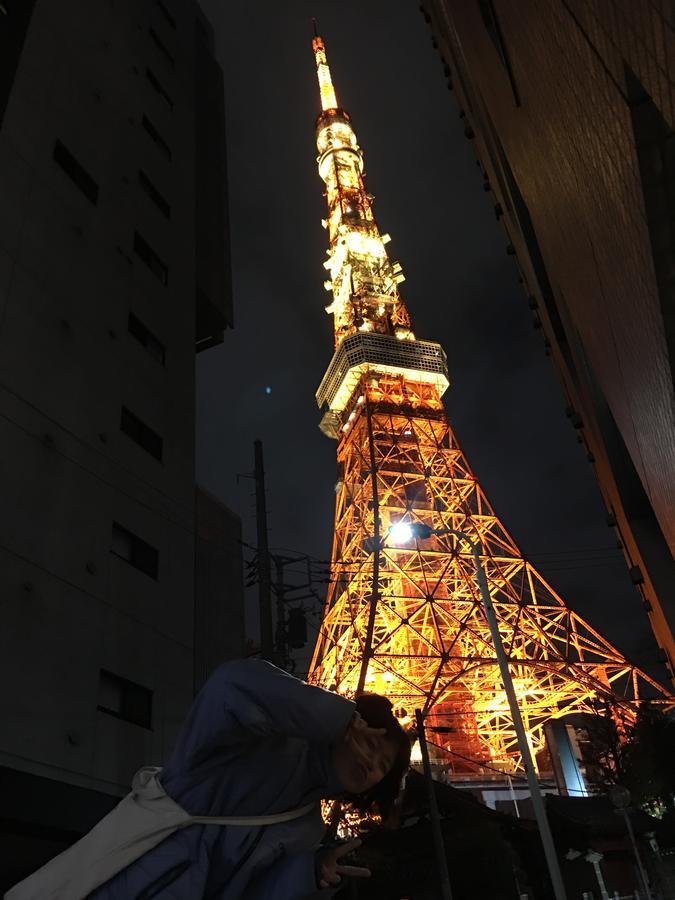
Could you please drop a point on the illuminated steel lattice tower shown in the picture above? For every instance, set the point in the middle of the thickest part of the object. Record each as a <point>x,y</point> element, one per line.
<point>407,620</point>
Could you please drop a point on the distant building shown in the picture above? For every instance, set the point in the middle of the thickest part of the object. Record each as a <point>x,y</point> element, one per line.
<point>120,591</point>
<point>219,579</point>
<point>571,107</point>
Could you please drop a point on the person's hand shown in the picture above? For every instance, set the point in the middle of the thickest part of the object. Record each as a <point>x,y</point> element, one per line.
<point>329,868</point>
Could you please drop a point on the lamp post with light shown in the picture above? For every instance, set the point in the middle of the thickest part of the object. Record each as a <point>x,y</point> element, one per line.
<point>402,533</point>
<point>620,797</point>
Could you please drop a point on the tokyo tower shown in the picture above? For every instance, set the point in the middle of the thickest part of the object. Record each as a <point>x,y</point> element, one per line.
<point>405,619</point>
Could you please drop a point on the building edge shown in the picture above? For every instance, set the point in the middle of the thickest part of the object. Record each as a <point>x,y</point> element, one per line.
<point>636,519</point>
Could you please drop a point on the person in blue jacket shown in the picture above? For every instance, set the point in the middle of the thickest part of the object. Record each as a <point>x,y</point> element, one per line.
<point>258,741</point>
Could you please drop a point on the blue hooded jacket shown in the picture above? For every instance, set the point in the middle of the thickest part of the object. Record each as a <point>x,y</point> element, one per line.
<point>257,741</point>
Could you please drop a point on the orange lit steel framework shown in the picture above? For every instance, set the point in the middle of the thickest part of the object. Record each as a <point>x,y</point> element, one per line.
<point>407,620</point>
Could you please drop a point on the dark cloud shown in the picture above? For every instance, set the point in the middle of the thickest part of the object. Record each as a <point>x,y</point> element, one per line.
<point>462,290</point>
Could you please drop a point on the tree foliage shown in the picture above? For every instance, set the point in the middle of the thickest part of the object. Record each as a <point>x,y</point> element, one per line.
<point>638,755</point>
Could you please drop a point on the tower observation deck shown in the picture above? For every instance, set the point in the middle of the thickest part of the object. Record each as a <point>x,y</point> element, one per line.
<point>407,620</point>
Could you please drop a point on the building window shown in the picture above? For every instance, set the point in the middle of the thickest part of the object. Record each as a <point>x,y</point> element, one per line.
<point>151,259</point>
<point>154,81</point>
<point>167,15</point>
<point>493,28</point>
<point>76,172</point>
<point>157,138</point>
<point>154,194</point>
<point>143,334</point>
<point>138,553</point>
<point>141,433</point>
<point>124,699</point>
<point>161,46</point>
<point>655,147</point>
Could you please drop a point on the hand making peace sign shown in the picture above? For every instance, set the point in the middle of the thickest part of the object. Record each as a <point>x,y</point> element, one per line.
<point>329,868</point>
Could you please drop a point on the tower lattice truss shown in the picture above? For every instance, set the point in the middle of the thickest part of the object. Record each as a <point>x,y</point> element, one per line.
<point>408,621</point>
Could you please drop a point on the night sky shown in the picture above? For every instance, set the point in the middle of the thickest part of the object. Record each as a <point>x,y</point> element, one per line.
<point>461,288</point>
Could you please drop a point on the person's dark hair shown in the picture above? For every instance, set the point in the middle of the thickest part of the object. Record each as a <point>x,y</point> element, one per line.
<point>377,712</point>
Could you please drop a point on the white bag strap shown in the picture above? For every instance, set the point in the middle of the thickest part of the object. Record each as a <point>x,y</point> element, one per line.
<point>251,820</point>
<point>146,784</point>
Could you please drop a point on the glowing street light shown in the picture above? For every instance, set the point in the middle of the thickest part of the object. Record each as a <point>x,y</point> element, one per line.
<point>400,533</point>
<point>403,532</point>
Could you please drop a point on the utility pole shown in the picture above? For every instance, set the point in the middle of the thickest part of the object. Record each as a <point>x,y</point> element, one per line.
<point>264,573</point>
<point>286,629</point>
<point>280,648</point>
<point>278,641</point>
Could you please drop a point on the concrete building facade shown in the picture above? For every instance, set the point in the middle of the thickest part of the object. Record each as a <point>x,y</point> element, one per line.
<point>571,106</point>
<point>114,268</point>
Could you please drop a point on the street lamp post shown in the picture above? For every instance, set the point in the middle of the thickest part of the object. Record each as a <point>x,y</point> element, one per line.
<point>638,858</point>
<point>439,845</point>
<point>620,797</point>
<point>402,532</point>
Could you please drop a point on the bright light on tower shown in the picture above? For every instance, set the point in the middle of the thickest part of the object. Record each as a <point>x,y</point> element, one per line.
<point>400,533</point>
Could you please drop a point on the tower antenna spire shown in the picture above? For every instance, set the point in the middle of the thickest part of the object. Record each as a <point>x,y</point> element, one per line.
<point>328,98</point>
